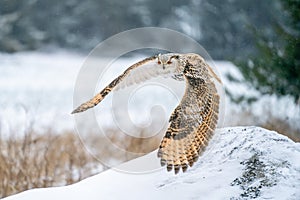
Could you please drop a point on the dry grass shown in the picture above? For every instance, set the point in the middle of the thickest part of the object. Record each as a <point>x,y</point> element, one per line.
<point>282,127</point>
<point>45,160</point>
<point>247,118</point>
<point>121,147</point>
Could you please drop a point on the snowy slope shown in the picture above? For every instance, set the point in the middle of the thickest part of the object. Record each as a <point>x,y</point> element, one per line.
<point>239,162</point>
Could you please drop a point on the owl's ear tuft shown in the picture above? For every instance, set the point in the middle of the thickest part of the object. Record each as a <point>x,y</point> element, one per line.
<point>175,56</point>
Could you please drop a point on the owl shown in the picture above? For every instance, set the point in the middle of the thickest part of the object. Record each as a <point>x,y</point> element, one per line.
<point>193,121</point>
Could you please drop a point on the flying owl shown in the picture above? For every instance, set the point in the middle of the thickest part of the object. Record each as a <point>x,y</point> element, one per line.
<point>193,121</point>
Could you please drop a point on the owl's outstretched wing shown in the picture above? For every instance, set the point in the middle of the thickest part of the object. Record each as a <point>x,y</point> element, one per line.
<point>139,72</point>
<point>142,73</point>
<point>191,124</point>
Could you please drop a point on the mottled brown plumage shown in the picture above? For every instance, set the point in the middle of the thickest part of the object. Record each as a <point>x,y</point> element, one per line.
<point>194,120</point>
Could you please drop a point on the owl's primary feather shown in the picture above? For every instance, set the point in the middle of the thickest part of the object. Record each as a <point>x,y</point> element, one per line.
<point>193,121</point>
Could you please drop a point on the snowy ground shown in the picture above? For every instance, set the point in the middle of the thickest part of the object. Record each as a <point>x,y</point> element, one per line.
<point>37,90</point>
<point>240,163</point>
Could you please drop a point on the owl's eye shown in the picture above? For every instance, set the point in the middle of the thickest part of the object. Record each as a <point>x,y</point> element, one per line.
<point>158,62</point>
<point>169,62</point>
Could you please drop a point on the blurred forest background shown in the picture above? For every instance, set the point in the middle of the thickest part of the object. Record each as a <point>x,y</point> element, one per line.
<point>224,28</point>
<point>261,37</point>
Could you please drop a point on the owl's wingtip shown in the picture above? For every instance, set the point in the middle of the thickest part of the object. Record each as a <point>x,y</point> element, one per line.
<point>74,111</point>
<point>83,107</point>
<point>78,110</point>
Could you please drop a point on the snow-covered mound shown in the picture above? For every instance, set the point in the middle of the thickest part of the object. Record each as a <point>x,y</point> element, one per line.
<point>242,162</point>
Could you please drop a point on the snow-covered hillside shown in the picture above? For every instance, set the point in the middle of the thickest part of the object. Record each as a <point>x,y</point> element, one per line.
<point>241,162</point>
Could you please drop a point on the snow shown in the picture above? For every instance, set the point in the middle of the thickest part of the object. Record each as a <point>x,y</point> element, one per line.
<point>37,90</point>
<point>240,162</point>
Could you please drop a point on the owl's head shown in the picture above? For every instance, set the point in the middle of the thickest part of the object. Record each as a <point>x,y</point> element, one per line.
<point>169,62</point>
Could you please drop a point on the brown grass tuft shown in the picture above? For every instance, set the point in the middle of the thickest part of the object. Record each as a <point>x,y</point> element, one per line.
<point>46,160</point>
